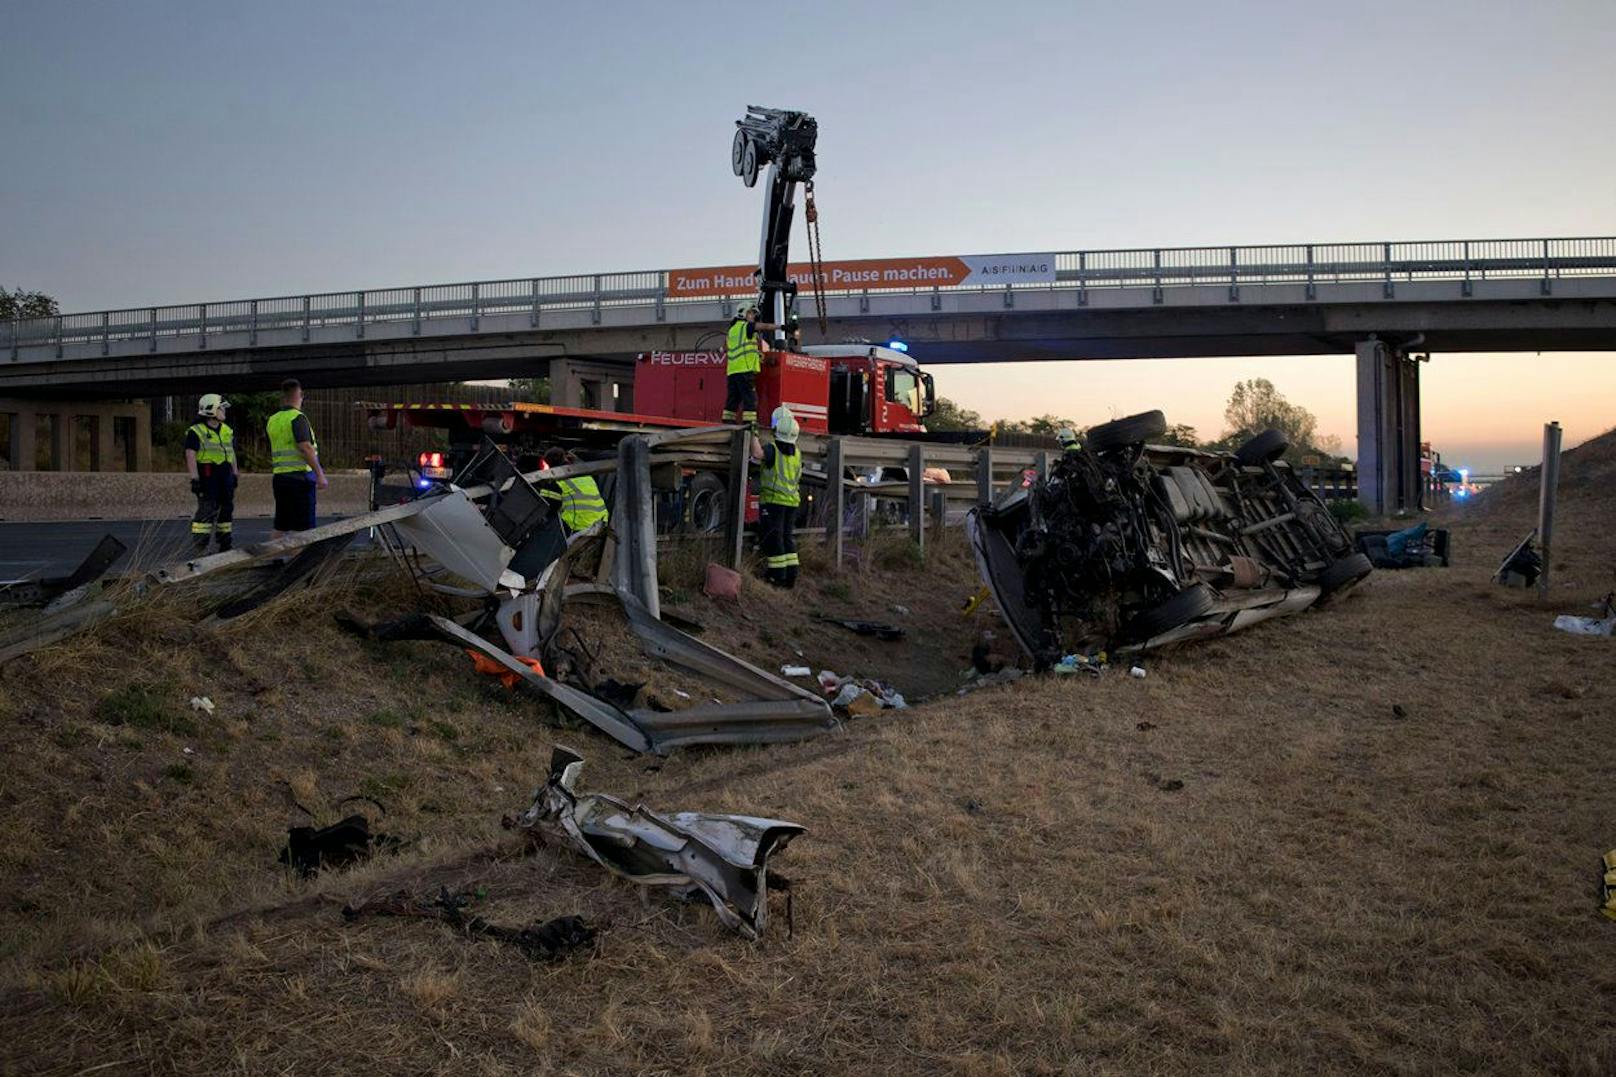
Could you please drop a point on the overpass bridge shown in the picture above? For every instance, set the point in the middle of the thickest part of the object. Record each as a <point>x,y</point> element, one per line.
<point>1384,302</point>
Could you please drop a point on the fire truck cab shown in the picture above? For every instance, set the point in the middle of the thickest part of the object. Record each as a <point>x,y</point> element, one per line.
<point>831,388</point>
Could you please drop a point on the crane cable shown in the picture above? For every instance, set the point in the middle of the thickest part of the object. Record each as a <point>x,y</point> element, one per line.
<point>815,250</point>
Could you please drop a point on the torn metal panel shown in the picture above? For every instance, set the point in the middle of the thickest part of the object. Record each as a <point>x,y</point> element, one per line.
<point>661,640</point>
<point>59,590</point>
<point>721,857</point>
<point>453,531</point>
<point>634,523</point>
<point>761,722</point>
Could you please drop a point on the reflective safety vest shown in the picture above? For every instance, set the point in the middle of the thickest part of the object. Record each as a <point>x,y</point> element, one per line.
<point>781,482</point>
<point>581,504</point>
<point>283,455</point>
<point>218,446</point>
<point>744,356</point>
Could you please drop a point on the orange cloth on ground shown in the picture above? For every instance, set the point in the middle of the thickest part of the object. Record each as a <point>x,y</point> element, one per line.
<point>484,664</point>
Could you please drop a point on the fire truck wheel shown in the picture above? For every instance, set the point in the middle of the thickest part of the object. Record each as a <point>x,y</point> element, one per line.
<point>749,165</point>
<point>709,505</point>
<point>737,152</point>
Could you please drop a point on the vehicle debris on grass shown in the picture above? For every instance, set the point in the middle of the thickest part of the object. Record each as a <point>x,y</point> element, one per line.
<point>310,850</point>
<point>724,858</point>
<point>552,940</point>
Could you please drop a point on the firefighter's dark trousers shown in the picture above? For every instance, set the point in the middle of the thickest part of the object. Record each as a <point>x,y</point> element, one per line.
<point>215,506</point>
<point>778,536</point>
<point>740,400</point>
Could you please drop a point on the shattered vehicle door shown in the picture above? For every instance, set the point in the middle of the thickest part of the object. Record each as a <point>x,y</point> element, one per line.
<point>721,857</point>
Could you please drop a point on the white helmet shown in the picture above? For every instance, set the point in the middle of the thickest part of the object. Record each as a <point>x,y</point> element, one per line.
<point>1066,436</point>
<point>211,406</point>
<point>784,424</point>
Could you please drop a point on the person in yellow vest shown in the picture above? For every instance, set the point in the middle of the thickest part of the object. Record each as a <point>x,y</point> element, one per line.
<point>1069,441</point>
<point>745,360</point>
<point>581,506</point>
<point>295,460</point>
<point>779,494</point>
<point>210,457</point>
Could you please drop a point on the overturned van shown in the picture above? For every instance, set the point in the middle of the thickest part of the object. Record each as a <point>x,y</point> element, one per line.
<point>1127,546</point>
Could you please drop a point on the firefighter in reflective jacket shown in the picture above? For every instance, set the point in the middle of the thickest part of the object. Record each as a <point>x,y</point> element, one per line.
<point>581,506</point>
<point>779,494</point>
<point>745,360</point>
<point>1068,440</point>
<point>210,457</point>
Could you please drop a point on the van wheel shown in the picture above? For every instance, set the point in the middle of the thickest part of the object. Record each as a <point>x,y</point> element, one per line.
<point>708,503</point>
<point>1128,430</point>
<point>1263,448</point>
<point>1181,609</point>
<point>1342,574</point>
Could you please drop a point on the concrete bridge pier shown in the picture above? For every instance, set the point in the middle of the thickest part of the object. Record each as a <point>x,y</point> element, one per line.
<point>1389,478</point>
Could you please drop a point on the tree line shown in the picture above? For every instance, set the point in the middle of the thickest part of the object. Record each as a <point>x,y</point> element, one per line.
<point>1254,405</point>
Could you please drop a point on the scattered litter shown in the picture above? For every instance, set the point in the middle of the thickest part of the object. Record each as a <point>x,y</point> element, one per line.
<point>550,941</point>
<point>972,806</point>
<point>796,671</point>
<point>721,582</point>
<point>1079,663</point>
<point>859,698</point>
<point>982,660</point>
<point>188,751</point>
<point>1003,676</point>
<point>684,695</point>
<point>1398,711</point>
<point>1171,785</point>
<point>202,703</point>
<point>1144,727</point>
<point>902,610</point>
<point>1137,673</point>
<point>1607,884</point>
<point>722,857</point>
<point>868,628</point>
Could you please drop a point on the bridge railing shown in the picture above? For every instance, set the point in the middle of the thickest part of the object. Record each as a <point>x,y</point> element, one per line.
<point>1463,261</point>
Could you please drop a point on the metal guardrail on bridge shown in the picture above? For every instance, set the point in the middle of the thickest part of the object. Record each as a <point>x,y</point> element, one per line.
<point>1310,264</point>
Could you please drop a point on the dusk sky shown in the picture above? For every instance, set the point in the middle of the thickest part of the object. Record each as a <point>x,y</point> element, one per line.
<point>179,152</point>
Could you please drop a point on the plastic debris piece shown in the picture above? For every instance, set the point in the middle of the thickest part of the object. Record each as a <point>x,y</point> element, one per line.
<point>202,703</point>
<point>1137,672</point>
<point>681,695</point>
<point>795,671</point>
<point>1585,626</point>
<point>721,582</point>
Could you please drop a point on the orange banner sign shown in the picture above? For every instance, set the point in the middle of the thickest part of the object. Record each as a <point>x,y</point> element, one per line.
<point>944,272</point>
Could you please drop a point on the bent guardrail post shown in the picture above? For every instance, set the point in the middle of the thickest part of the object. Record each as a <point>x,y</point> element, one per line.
<point>634,522</point>
<point>836,501</point>
<point>1547,493</point>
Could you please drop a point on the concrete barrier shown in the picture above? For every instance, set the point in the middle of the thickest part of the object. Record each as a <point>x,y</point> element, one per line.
<point>114,495</point>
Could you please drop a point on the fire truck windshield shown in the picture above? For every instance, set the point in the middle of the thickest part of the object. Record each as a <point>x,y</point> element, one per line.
<point>904,388</point>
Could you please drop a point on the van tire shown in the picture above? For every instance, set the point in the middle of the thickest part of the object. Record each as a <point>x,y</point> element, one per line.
<point>1129,430</point>
<point>1263,448</point>
<point>1184,607</point>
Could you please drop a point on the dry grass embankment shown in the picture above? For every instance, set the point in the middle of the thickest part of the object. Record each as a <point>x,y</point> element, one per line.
<point>1381,858</point>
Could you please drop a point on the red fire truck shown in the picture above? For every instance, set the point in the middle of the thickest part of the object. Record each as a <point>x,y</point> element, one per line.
<point>856,388</point>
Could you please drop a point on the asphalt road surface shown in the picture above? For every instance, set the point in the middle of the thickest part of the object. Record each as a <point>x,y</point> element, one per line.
<point>54,548</point>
